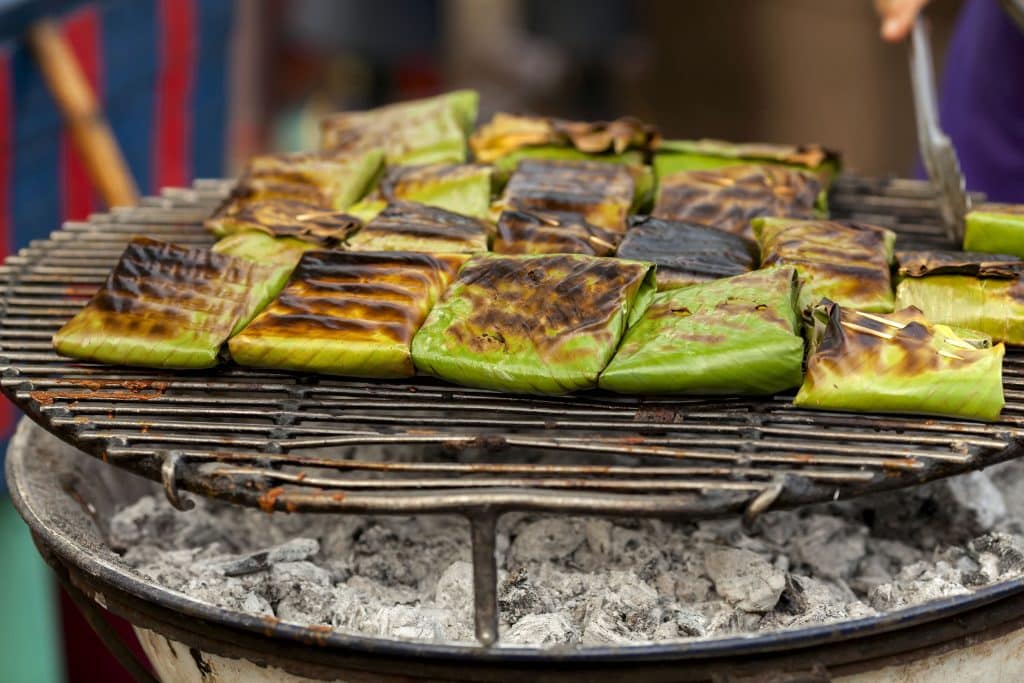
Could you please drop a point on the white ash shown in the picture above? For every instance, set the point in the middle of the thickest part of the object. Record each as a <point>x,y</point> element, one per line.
<point>588,581</point>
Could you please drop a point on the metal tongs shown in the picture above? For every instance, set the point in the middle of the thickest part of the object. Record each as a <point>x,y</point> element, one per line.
<point>937,151</point>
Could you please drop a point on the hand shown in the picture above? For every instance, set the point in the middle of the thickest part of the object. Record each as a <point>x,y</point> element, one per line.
<point>898,17</point>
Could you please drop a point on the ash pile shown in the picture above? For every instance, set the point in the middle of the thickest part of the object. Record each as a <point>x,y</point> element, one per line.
<point>589,581</point>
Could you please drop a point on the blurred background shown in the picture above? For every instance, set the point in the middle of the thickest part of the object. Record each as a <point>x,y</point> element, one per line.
<point>191,88</point>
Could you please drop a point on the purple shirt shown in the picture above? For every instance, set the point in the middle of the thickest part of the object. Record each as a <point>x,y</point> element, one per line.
<point>982,100</point>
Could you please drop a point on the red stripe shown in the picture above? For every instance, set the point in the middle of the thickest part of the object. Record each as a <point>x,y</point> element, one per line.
<point>174,92</point>
<point>82,31</point>
<point>6,164</point>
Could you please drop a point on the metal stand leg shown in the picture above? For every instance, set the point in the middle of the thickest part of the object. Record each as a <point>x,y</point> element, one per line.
<point>485,578</point>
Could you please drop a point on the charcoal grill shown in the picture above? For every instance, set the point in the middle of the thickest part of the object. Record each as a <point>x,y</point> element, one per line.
<point>292,442</point>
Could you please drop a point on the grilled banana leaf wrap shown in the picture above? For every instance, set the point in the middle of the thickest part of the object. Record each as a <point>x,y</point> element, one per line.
<point>324,180</point>
<point>973,290</point>
<point>345,313</point>
<point>532,324</point>
<point>899,363</point>
<point>552,232</point>
<point>686,253</point>
<point>460,188</point>
<point>432,130</point>
<point>166,306</point>
<point>508,133</point>
<point>602,194</point>
<point>845,262</point>
<point>285,218</point>
<point>408,226</point>
<point>995,228</point>
<point>277,255</point>
<point>694,155</point>
<point>729,198</point>
<point>732,336</point>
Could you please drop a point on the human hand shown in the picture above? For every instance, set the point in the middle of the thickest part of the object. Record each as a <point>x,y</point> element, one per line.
<point>898,17</point>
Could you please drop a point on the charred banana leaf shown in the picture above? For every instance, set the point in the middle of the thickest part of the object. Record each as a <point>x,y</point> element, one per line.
<point>846,262</point>
<point>729,198</point>
<point>732,336</point>
<point>407,226</point>
<point>426,131</point>
<point>345,313</point>
<point>278,256</point>
<point>532,324</point>
<point>165,306</point>
<point>975,264</point>
<point>552,232</point>
<point>460,188</point>
<point>601,193</point>
<point>506,165</point>
<point>899,363</point>
<point>685,253</point>
<point>996,228</point>
<point>509,133</point>
<point>693,155</point>
<point>285,218</point>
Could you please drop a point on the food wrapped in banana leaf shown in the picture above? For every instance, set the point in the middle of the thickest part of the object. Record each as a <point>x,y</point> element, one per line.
<point>506,165</point>
<point>732,336</point>
<point>552,232</point>
<point>899,363</point>
<point>425,131</point>
<point>729,198</point>
<point>324,180</point>
<point>408,226</point>
<point>277,255</point>
<point>285,218</point>
<point>507,133</point>
<point>532,324</point>
<point>843,261</point>
<point>601,193</point>
<point>166,306</point>
<point>995,228</point>
<point>461,188</point>
<point>692,155</point>
<point>345,313</point>
<point>978,291</point>
<point>686,253</point>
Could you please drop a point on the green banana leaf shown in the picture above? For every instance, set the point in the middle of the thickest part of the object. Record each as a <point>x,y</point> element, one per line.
<point>846,262</point>
<point>921,263</point>
<point>992,306</point>
<point>508,133</point>
<point>460,188</point>
<point>995,228</point>
<point>506,165</point>
<point>899,363</point>
<point>694,155</point>
<point>166,306</point>
<point>732,336</point>
<point>278,256</point>
<point>532,324</point>
<point>407,226</point>
<point>426,131</point>
<point>729,198</point>
<point>284,218</point>
<point>345,313</point>
<point>552,232</point>
<point>685,253</point>
<point>600,193</point>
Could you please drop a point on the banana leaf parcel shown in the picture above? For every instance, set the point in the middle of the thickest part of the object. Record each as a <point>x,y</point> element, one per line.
<point>166,306</point>
<point>278,256</point>
<point>846,262</point>
<point>460,188</point>
<point>407,226</point>
<point>425,131</point>
<point>686,253</point>
<point>983,292</point>
<point>995,228</point>
<point>601,193</point>
<point>694,155</point>
<point>345,313</point>
<point>532,324</point>
<point>507,133</point>
<point>732,336</point>
<point>284,218</point>
<point>899,363</point>
<point>729,198</point>
<point>552,232</point>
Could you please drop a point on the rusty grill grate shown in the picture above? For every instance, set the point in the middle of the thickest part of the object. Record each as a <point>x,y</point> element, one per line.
<point>285,441</point>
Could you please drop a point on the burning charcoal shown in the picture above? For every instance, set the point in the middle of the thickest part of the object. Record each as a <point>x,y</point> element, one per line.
<point>287,578</point>
<point>455,589</point>
<point>553,538</point>
<point>1009,551</point>
<point>745,579</point>
<point>920,582</point>
<point>552,628</point>
<point>292,551</point>
<point>517,597</point>
<point>257,604</point>
<point>830,546</point>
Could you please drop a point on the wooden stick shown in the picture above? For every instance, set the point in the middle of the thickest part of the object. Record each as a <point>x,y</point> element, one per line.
<point>90,133</point>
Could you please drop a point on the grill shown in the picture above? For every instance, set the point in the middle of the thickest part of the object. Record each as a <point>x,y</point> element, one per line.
<point>302,443</point>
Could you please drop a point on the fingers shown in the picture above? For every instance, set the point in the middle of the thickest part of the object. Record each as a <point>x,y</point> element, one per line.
<point>898,17</point>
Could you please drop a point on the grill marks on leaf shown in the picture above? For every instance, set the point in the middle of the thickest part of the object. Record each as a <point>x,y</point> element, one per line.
<point>937,262</point>
<point>600,193</point>
<point>506,133</point>
<point>285,218</point>
<point>552,232</point>
<point>408,226</point>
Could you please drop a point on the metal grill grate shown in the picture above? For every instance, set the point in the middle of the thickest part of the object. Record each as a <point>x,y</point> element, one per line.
<point>285,441</point>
